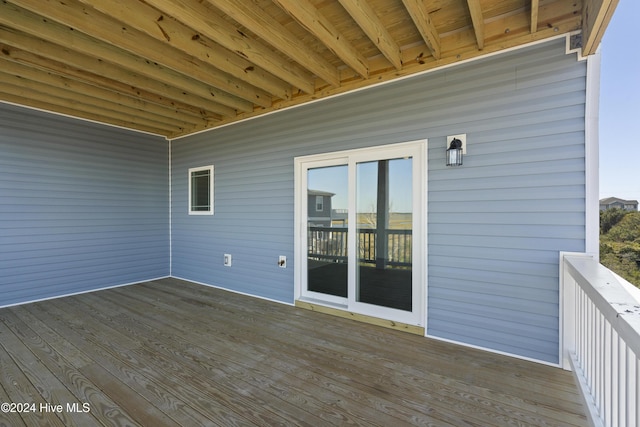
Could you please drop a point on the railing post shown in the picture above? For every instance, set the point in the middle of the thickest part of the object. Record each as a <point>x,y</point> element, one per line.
<point>568,296</point>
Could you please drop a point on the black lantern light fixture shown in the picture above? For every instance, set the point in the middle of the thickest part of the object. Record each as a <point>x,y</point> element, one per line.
<point>454,153</point>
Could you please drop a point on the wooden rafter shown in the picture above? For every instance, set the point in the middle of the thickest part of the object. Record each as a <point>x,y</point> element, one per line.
<point>367,19</point>
<point>475,9</point>
<point>281,38</point>
<point>40,93</point>
<point>176,67</point>
<point>425,26</point>
<point>535,7</point>
<point>167,30</point>
<point>596,15</point>
<point>50,38</point>
<point>116,110</point>
<point>317,24</point>
<point>104,98</point>
<point>201,19</point>
<point>92,71</point>
<point>90,21</point>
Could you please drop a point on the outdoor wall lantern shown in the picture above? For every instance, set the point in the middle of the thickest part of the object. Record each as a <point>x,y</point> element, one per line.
<point>457,147</point>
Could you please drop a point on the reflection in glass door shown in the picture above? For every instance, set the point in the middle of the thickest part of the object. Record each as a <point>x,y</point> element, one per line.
<point>327,230</point>
<point>361,217</point>
<point>384,210</point>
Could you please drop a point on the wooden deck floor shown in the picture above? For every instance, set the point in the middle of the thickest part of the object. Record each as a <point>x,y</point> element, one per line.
<point>175,353</point>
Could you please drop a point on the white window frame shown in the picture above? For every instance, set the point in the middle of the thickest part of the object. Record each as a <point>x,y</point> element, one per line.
<point>211,181</point>
<point>321,204</point>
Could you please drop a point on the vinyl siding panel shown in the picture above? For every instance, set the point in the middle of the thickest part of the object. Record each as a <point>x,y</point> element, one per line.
<point>82,206</point>
<point>495,225</point>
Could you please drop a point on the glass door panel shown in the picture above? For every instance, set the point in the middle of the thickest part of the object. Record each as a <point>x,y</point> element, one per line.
<point>384,212</point>
<point>359,218</point>
<point>327,230</point>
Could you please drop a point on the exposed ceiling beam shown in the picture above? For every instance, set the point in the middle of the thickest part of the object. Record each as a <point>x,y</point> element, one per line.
<point>60,97</point>
<point>203,21</point>
<point>369,22</point>
<point>278,36</point>
<point>103,98</point>
<point>321,27</point>
<point>130,69</point>
<point>535,7</point>
<point>48,65</point>
<point>13,95</point>
<point>425,26</point>
<point>91,22</point>
<point>475,9</point>
<point>596,15</point>
<point>181,66</point>
<point>167,30</point>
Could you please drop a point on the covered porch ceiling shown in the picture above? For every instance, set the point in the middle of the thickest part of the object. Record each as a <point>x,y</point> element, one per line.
<point>175,67</point>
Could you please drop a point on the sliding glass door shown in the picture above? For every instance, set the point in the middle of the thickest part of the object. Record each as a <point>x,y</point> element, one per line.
<point>362,212</point>
<point>327,231</point>
<point>384,232</point>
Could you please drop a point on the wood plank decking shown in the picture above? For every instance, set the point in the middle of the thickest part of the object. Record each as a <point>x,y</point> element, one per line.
<point>174,353</point>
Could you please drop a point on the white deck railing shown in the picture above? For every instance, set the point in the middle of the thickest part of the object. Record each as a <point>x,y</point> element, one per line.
<point>601,340</point>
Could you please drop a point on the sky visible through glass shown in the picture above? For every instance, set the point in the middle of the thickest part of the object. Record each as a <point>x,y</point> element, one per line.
<point>334,179</point>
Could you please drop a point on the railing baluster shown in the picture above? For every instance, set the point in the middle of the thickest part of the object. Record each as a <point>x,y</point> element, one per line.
<point>606,411</point>
<point>605,347</point>
<point>627,409</point>
<point>615,375</point>
<point>330,243</point>
<point>592,345</point>
<point>622,372</point>
<point>600,360</point>
<point>637,399</point>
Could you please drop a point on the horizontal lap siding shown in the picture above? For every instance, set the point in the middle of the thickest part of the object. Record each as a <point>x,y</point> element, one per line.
<point>83,206</point>
<point>495,225</point>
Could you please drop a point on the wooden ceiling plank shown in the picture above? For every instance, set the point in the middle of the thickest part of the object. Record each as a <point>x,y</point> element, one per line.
<point>596,15</point>
<point>83,74</point>
<point>167,30</point>
<point>278,36</point>
<point>91,22</point>
<point>507,24</point>
<point>369,22</point>
<point>558,17</point>
<point>200,18</point>
<point>90,104</point>
<point>475,9</point>
<point>425,26</point>
<point>73,112</point>
<point>317,24</point>
<point>54,96</point>
<point>100,58</point>
<point>171,115</point>
<point>535,7</point>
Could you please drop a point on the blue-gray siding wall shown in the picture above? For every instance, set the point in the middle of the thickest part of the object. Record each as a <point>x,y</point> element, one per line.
<point>82,206</point>
<point>495,225</point>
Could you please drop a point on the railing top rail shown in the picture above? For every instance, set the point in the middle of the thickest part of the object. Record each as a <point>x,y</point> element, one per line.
<point>617,305</point>
<point>402,231</point>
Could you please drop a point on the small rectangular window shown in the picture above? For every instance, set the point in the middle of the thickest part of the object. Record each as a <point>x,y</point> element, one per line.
<point>319,203</point>
<point>201,191</point>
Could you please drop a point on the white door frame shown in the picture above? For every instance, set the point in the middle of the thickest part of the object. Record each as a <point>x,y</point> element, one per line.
<point>418,151</point>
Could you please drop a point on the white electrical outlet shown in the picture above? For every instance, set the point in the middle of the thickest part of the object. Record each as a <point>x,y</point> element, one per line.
<point>282,261</point>
<point>227,260</point>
